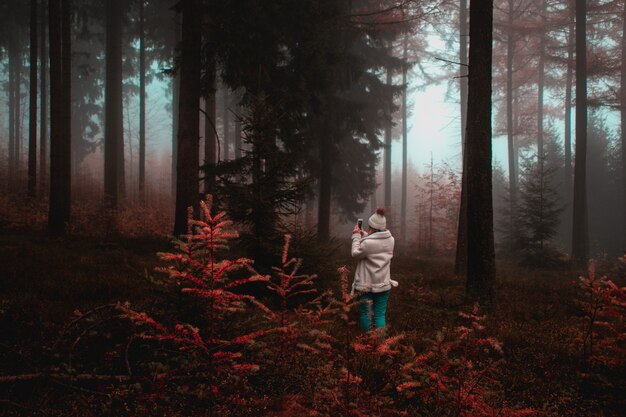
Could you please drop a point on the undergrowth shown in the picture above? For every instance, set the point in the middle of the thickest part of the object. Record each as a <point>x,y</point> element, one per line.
<point>207,334</point>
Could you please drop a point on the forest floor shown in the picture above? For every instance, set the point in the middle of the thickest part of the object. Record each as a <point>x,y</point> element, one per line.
<point>44,281</point>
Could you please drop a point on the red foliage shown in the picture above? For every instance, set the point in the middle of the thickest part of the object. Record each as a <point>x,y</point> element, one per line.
<point>603,303</point>
<point>457,374</point>
<point>196,268</point>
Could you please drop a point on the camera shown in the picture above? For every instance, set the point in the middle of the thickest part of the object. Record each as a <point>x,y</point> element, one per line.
<point>359,222</point>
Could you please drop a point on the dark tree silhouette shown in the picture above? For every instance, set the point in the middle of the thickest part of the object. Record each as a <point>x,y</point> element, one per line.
<point>567,145</point>
<point>15,83</point>
<point>32,113</point>
<point>226,121</point>
<point>405,45</point>
<point>113,127</point>
<point>387,150</point>
<point>460,260</point>
<point>43,123</point>
<point>142,103</point>
<point>512,154</point>
<point>623,122</point>
<point>463,37</point>
<point>210,134</point>
<point>541,81</point>
<point>480,246</point>
<point>326,141</point>
<point>237,139</point>
<point>580,232</point>
<point>60,120</point>
<point>187,181</point>
<point>175,107</point>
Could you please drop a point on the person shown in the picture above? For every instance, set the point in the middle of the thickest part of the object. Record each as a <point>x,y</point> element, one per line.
<point>372,279</point>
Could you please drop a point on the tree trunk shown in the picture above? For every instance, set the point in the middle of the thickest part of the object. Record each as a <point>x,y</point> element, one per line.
<point>509,120</point>
<point>187,181</point>
<point>130,142</point>
<point>17,152</point>
<point>325,135</point>
<point>60,139</point>
<point>387,155</point>
<point>540,87</point>
<point>113,125</point>
<point>567,146</point>
<point>226,121</point>
<point>480,249</point>
<point>210,136</point>
<point>404,143</point>
<point>460,261</point>
<point>43,123</point>
<point>431,187</point>
<point>175,110</point>
<point>463,36</point>
<point>623,121</point>
<point>374,197</point>
<point>142,104</point>
<point>11,150</point>
<point>580,233</point>
<point>237,140</point>
<point>32,112</point>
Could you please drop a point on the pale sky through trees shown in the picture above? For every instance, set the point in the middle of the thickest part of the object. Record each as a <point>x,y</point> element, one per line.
<point>434,126</point>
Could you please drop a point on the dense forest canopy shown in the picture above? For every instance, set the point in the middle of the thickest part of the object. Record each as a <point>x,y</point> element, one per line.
<point>304,112</point>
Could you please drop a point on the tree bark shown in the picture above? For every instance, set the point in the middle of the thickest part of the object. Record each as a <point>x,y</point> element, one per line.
<point>226,121</point>
<point>237,140</point>
<point>480,249</point>
<point>43,123</point>
<point>113,125</point>
<point>463,36</point>
<point>66,97</point>
<point>387,155</point>
<point>373,197</point>
<point>60,139</point>
<point>187,167</point>
<point>142,104</point>
<point>623,121</point>
<point>580,233</point>
<point>404,142</point>
<point>431,196</point>
<point>567,146</point>
<point>540,86</point>
<point>32,112</point>
<point>175,109</point>
<point>511,43</point>
<point>460,261</point>
<point>326,141</point>
<point>11,150</point>
<point>210,137</point>
<point>17,150</point>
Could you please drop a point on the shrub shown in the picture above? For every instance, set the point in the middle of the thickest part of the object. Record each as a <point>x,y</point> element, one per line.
<point>457,374</point>
<point>603,303</point>
<point>209,355</point>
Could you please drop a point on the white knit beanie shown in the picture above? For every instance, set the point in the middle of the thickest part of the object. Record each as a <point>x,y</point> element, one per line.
<point>378,220</point>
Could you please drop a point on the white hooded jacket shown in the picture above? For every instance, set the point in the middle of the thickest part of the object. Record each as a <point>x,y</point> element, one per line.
<point>374,253</point>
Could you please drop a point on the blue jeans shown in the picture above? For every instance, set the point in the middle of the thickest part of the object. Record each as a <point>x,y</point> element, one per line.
<point>373,304</point>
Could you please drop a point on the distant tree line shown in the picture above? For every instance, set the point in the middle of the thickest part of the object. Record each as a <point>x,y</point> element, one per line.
<point>280,107</point>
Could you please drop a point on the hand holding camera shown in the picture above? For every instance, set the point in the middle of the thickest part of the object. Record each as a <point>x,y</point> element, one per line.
<point>358,228</point>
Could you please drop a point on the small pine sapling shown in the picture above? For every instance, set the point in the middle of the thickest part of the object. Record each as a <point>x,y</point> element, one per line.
<point>456,376</point>
<point>298,341</point>
<point>603,304</point>
<point>345,392</point>
<point>208,352</point>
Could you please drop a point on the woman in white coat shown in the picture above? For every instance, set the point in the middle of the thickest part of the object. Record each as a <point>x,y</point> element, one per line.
<point>372,279</point>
